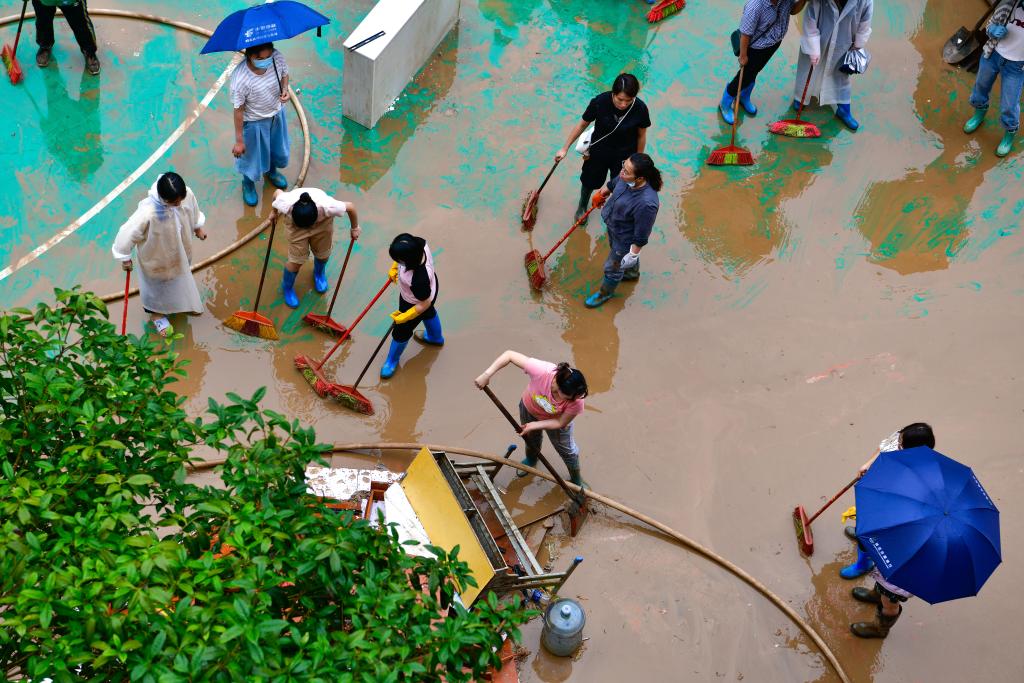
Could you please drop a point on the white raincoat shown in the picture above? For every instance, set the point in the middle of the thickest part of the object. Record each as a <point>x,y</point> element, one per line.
<point>831,33</point>
<point>162,235</point>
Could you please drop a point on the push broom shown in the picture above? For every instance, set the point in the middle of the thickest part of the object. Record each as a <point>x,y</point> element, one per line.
<point>313,371</point>
<point>351,397</point>
<point>10,55</point>
<point>535,269</point>
<point>804,536</point>
<point>731,155</point>
<point>663,9</point>
<point>251,322</point>
<point>795,128</point>
<point>325,322</point>
<point>578,507</point>
<point>529,214</point>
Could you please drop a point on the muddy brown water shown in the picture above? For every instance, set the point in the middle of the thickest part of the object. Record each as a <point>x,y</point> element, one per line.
<point>743,374</point>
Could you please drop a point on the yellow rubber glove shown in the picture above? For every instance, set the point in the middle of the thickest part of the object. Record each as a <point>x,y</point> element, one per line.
<point>851,513</point>
<point>393,272</point>
<point>400,317</point>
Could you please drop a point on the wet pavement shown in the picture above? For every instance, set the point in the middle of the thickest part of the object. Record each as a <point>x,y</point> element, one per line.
<point>790,314</point>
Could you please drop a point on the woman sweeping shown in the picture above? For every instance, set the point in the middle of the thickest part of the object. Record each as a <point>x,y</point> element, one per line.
<point>259,87</point>
<point>762,28</point>
<point>630,209</point>
<point>551,401</point>
<point>831,29</point>
<point>161,231</point>
<point>620,121</point>
<point>413,272</point>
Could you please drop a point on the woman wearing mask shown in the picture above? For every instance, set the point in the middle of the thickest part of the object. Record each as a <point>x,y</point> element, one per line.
<point>620,121</point>
<point>630,209</point>
<point>552,399</point>
<point>259,87</point>
<point>161,231</point>
<point>413,272</point>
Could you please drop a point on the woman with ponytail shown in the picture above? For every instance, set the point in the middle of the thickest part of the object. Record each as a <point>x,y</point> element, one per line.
<point>630,209</point>
<point>552,399</point>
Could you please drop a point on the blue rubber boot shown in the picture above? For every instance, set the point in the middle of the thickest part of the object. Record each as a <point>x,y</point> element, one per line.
<point>796,105</point>
<point>844,115</point>
<point>288,288</point>
<point>277,179</point>
<point>862,566</point>
<point>529,462</point>
<point>320,283</point>
<point>974,123</point>
<point>606,292</point>
<point>394,354</point>
<point>745,102</point>
<point>725,106</point>
<point>249,195</point>
<point>1005,145</point>
<point>432,332</point>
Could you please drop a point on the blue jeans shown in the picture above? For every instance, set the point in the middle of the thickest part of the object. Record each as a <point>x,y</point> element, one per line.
<point>613,271</point>
<point>1012,74</point>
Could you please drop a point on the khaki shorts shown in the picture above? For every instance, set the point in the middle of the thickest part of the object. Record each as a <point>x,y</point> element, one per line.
<point>317,239</point>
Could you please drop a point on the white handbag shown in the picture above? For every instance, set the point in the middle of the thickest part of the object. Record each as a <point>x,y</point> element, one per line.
<point>583,143</point>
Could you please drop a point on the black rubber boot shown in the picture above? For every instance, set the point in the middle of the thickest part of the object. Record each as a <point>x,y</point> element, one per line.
<point>584,204</point>
<point>869,595</point>
<point>879,628</point>
<point>851,533</point>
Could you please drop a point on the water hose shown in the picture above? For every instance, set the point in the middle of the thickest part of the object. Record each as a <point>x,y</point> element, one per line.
<point>687,542</point>
<point>200,31</point>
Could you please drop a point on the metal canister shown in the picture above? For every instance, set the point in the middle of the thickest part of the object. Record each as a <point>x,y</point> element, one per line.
<point>563,627</point>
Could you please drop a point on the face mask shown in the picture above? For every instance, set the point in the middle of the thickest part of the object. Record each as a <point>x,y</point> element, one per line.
<point>631,183</point>
<point>263,63</point>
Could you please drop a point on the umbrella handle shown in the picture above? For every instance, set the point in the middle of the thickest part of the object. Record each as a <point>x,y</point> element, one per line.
<point>833,499</point>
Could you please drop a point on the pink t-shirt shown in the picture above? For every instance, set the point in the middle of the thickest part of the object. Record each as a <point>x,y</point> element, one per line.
<point>537,396</point>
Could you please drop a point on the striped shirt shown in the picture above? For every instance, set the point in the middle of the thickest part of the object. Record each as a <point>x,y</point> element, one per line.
<point>766,23</point>
<point>260,96</point>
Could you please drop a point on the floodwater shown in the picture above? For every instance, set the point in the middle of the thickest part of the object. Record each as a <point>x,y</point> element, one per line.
<point>790,314</point>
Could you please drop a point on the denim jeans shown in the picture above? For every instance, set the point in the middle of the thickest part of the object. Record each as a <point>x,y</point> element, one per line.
<point>561,439</point>
<point>1012,74</point>
<point>613,271</point>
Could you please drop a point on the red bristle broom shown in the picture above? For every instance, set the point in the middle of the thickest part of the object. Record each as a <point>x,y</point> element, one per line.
<point>529,214</point>
<point>251,322</point>
<point>795,128</point>
<point>313,371</point>
<point>351,397</point>
<point>731,155</point>
<point>10,55</point>
<point>665,8</point>
<point>535,269</point>
<point>325,322</point>
<point>803,525</point>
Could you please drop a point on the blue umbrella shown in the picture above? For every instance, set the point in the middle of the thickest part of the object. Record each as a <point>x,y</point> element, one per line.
<point>263,24</point>
<point>928,524</point>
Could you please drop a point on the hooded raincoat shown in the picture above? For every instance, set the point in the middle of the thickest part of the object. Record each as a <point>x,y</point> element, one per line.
<point>831,32</point>
<point>162,236</point>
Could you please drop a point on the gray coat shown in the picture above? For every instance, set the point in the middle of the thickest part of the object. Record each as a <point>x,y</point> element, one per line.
<point>830,33</point>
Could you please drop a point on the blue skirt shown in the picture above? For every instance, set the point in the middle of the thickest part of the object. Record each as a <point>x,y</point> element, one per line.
<point>266,146</point>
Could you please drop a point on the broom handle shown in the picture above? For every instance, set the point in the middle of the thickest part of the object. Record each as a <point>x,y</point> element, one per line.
<point>127,286</point>
<point>833,499</point>
<point>566,235</point>
<point>353,325</point>
<point>266,262</point>
<point>337,287</point>
<point>736,108</point>
<point>380,345</point>
<point>540,456</point>
<point>806,83</point>
<point>548,176</point>
<point>17,37</point>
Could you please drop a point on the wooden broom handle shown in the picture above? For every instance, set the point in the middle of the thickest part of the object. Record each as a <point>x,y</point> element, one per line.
<point>387,283</point>
<point>380,344</point>
<point>833,499</point>
<point>736,107</point>
<point>804,95</point>
<point>266,262</point>
<point>337,287</point>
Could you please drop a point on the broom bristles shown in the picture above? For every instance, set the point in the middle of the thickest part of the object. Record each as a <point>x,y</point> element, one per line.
<point>535,269</point>
<point>353,400</point>
<point>663,9</point>
<point>253,328</point>
<point>346,396</point>
<point>11,64</point>
<point>324,323</point>
<point>731,156</point>
<point>529,210</point>
<point>795,129</point>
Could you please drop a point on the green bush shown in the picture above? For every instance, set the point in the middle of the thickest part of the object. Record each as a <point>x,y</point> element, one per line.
<point>114,567</point>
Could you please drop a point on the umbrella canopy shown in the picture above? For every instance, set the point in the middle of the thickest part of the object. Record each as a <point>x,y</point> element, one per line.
<point>928,524</point>
<point>263,24</point>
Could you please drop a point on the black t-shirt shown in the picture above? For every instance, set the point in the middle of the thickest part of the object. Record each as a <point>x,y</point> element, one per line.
<point>605,115</point>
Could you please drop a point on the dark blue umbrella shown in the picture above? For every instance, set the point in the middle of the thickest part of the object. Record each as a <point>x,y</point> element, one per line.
<point>928,524</point>
<point>263,24</point>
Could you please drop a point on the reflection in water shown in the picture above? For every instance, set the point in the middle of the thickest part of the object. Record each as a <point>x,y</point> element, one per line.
<point>919,222</point>
<point>197,359</point>
<point>367,155</point>
<point>405,393</point>
<point>71,128</point>
<point>731,215</point>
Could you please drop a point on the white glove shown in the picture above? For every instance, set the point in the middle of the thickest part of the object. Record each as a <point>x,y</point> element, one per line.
<point>629,260</point>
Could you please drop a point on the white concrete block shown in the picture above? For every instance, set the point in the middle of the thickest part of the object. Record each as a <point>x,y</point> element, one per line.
<point>377,73</point>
